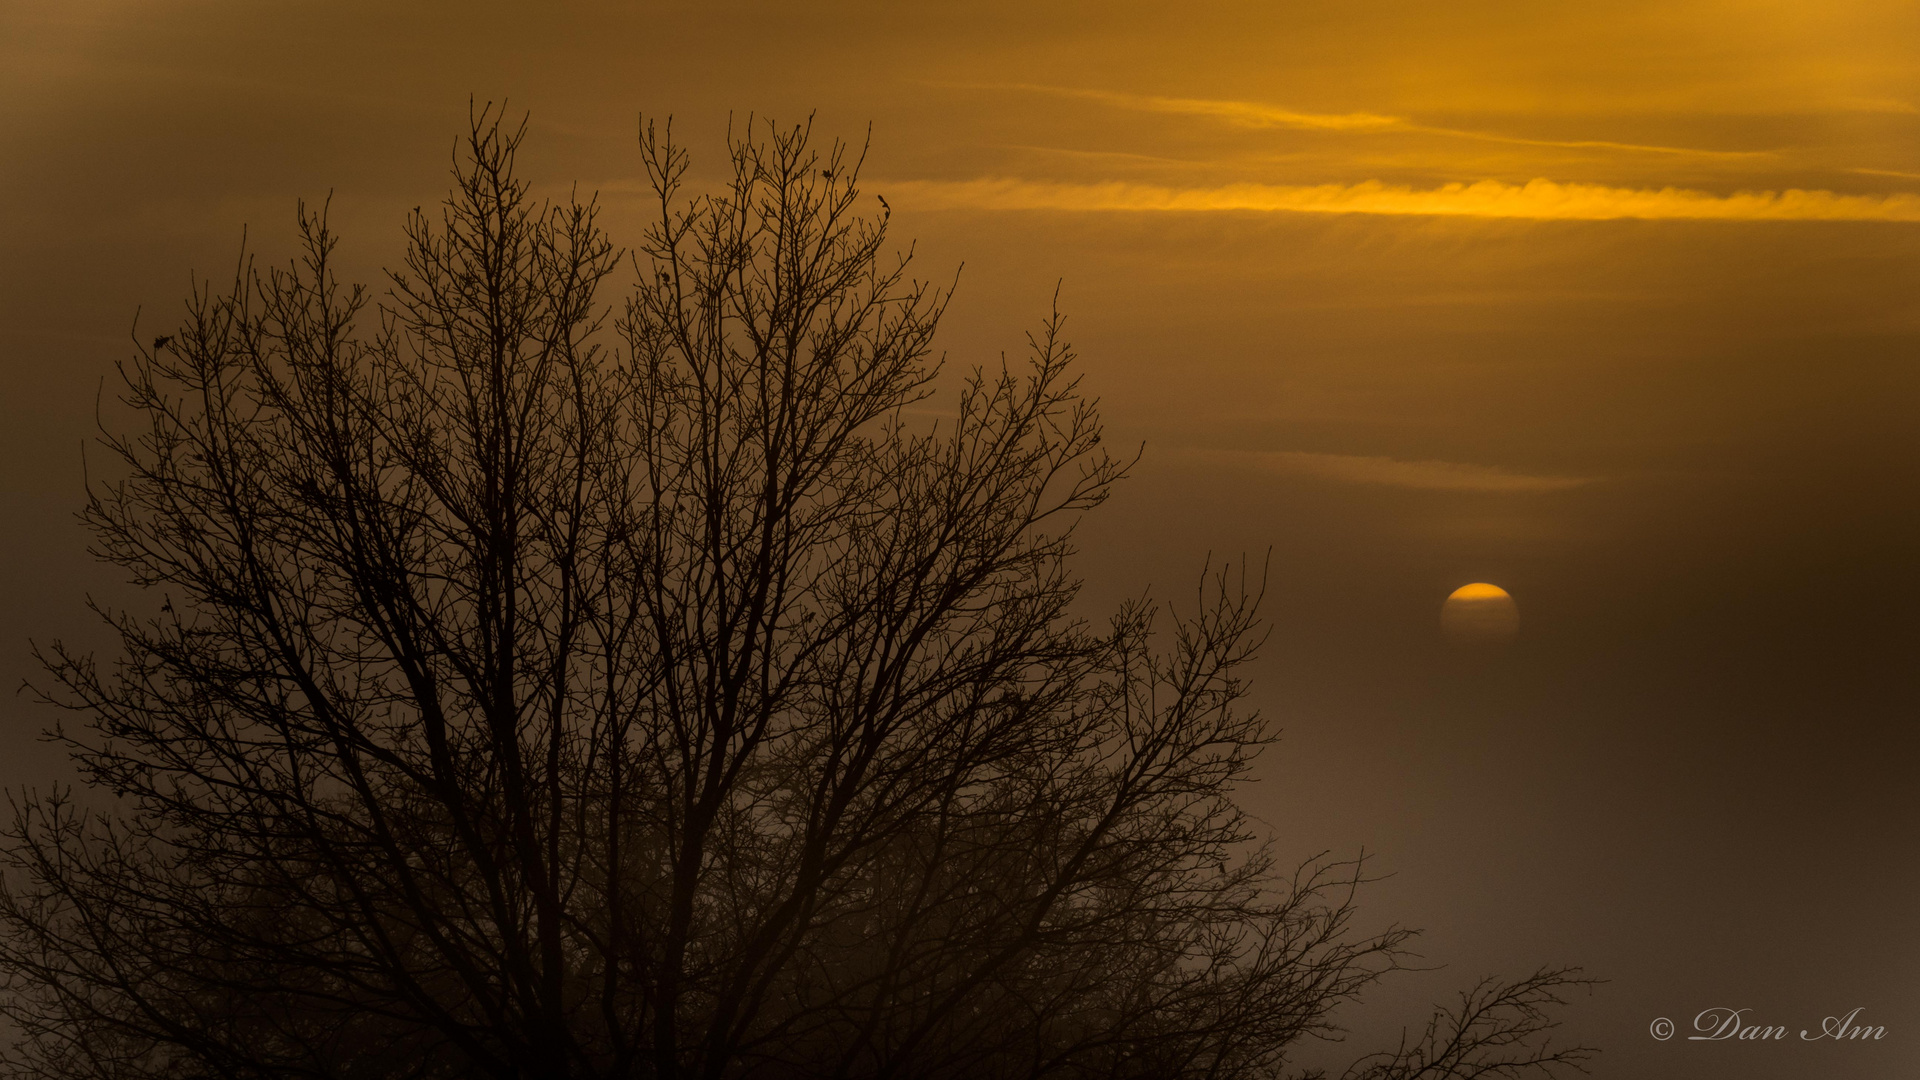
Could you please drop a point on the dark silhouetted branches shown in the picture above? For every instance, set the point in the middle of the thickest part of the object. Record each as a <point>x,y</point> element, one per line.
<point>545,689</point>
<point>1499,1029</point>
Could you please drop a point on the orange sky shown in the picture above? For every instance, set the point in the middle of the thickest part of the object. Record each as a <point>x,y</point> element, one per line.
<point>1615,305</point>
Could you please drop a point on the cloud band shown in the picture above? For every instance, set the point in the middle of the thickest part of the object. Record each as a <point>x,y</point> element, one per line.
<point>1451,476</point>
<point>1540,200</point>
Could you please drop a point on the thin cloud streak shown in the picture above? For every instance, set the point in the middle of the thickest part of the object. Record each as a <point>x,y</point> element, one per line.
<point>1240,112</point>
<point>1538,200</point>
<point>1450,476</point>
<point>1587,144</point>
<point>1246,113</point>
<point>1256,114</point>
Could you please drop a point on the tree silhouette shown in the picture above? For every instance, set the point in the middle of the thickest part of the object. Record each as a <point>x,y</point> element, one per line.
<point>545,693</point>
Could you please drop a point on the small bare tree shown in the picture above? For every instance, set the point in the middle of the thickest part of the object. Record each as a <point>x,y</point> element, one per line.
<point>539,694</point>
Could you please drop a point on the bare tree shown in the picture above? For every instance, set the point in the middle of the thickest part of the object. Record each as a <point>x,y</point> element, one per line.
<point>539,692</point>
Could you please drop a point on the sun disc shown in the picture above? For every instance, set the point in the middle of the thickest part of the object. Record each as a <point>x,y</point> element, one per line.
<point>1479,613</point>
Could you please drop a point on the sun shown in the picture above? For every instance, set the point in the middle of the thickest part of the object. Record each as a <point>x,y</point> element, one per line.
<point>1479,613</point>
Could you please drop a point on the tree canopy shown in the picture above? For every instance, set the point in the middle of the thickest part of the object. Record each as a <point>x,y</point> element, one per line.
<point>541,688</point>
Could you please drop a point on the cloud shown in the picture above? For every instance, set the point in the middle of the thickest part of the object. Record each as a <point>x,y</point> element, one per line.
<point>1258,115</point>
<point>1245,113</point>
<point>1542,200</point>
<point>1392,472</point>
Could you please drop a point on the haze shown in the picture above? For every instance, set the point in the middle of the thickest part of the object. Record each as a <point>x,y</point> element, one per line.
<point>1612,305</point>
